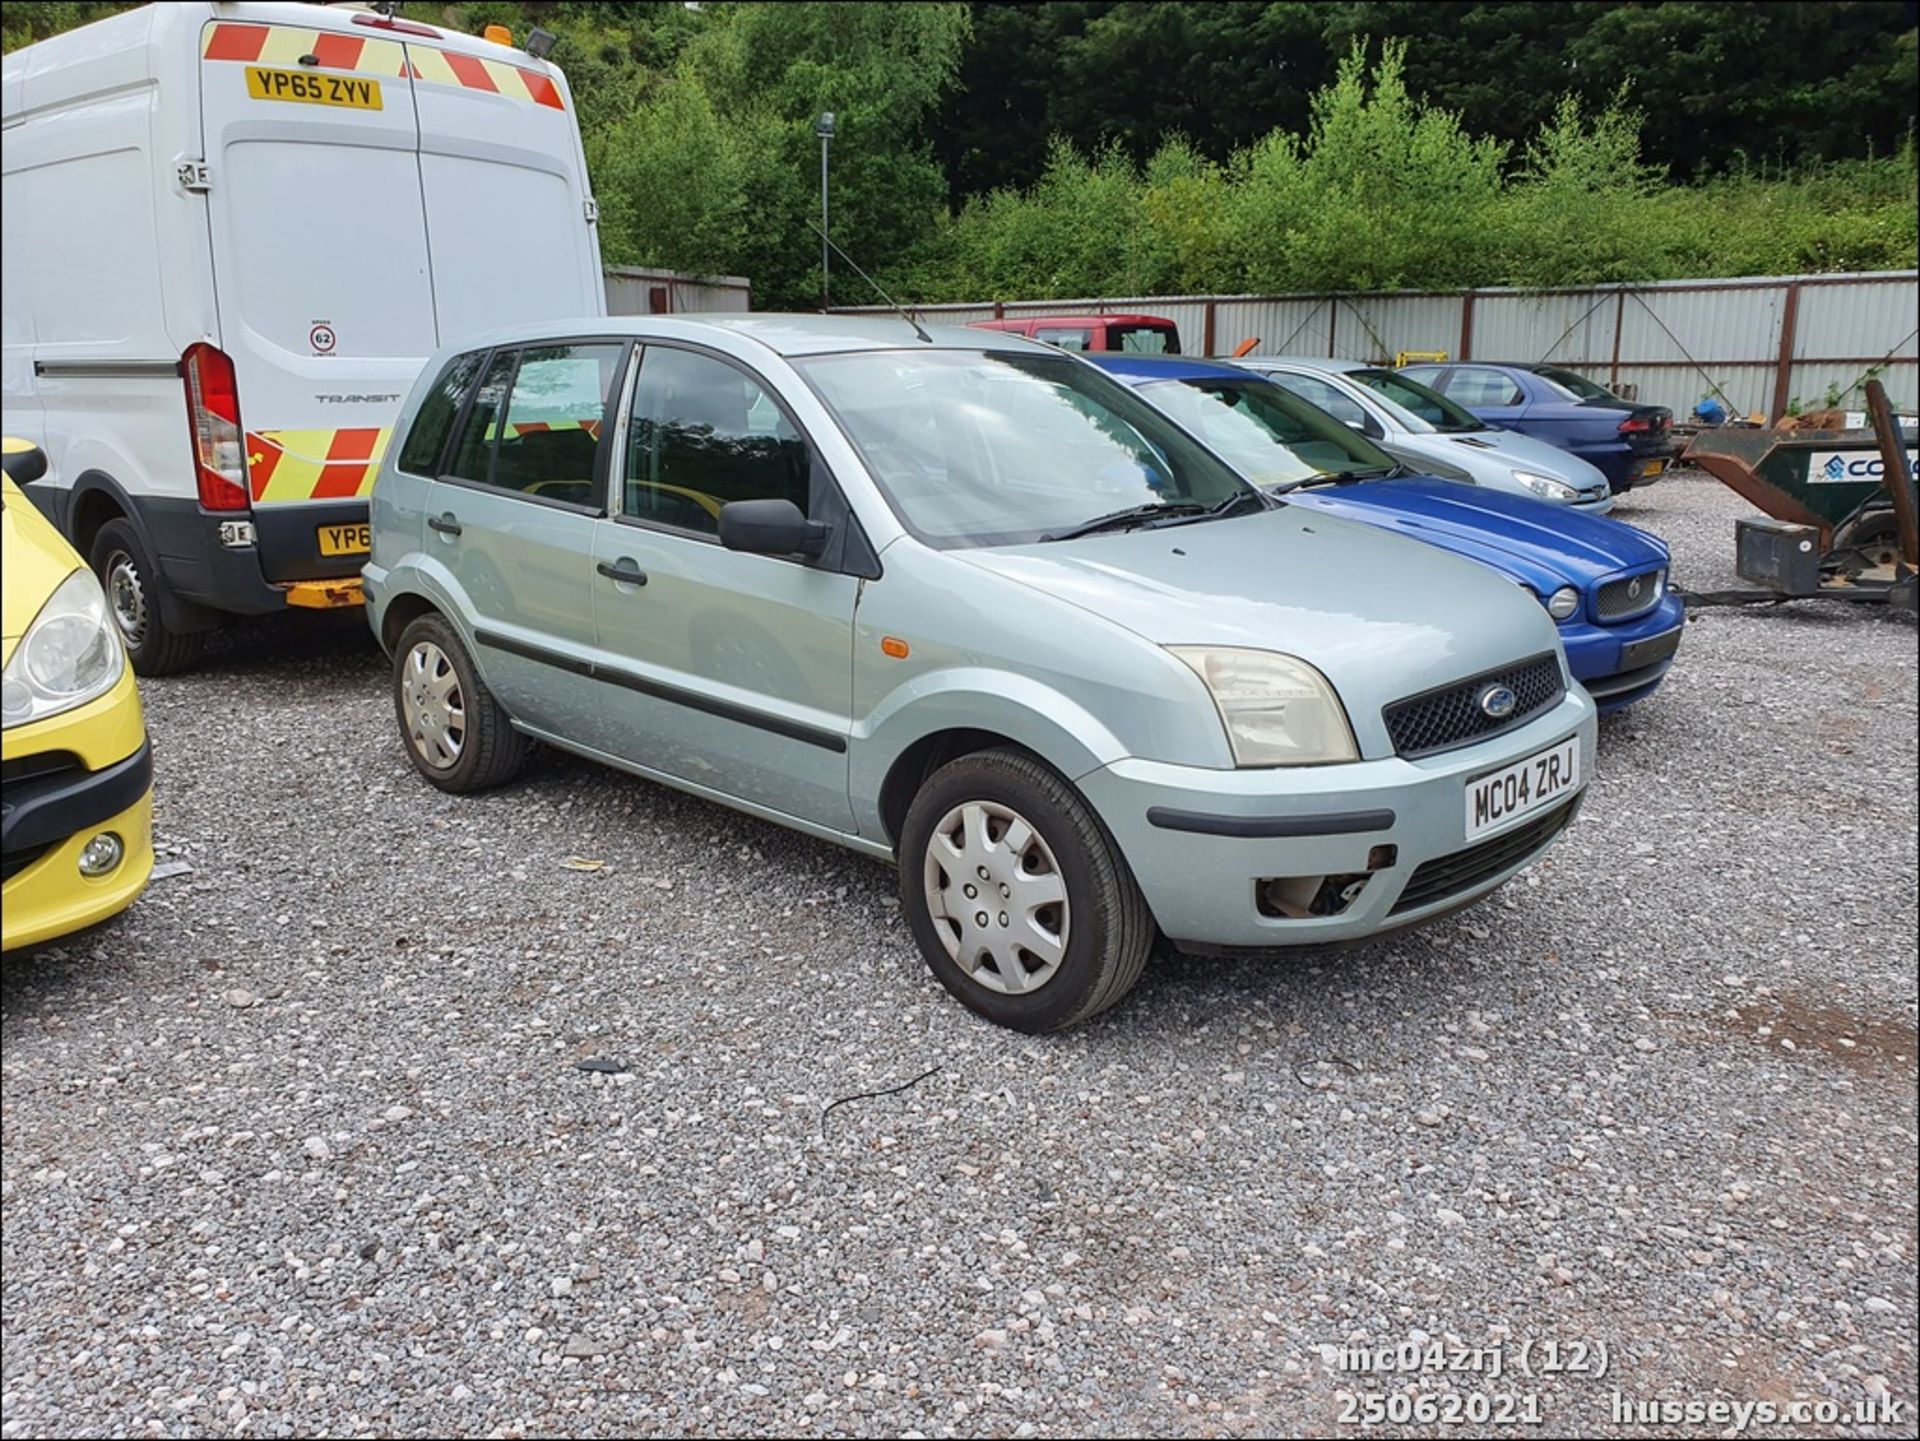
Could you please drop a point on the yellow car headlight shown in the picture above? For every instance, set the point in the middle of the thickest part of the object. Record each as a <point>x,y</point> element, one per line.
<point>70,655</point>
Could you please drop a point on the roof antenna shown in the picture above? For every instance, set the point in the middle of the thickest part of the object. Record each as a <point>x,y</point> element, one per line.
<point>904,315</point>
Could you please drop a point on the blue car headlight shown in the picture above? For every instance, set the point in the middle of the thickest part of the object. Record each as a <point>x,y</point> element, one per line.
<point>1564,603</point>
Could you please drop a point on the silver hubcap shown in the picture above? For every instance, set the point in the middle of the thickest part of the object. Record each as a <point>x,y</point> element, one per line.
<point>127,597</point>
<point>997,898</point>
<point>434,707</point>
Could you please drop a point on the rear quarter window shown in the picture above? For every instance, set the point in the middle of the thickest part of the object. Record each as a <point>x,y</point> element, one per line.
<point>427,439</point>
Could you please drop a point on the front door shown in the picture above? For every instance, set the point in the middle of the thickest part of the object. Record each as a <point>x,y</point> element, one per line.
<point>727,670</point>
<point>513,520</point>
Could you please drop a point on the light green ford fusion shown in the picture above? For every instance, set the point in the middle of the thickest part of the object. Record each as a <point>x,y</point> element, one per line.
<point>963,602</point>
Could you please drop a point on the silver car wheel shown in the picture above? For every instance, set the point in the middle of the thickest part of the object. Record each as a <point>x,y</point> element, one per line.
<point>431,698</point>
<point>997,898</point>
<point>127,597</point>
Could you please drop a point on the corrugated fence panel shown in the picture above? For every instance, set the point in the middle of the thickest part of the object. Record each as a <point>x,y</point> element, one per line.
<point>1379,327</point>
<point>1283,327</point>
<point>1741,323</point>
<point>1561,326</point>
<point>1865,318</point>
<point>630,291</point>
<point>1808,383</point>
<point>1644,337</point>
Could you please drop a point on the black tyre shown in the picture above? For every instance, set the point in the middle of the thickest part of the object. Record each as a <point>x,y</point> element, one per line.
<point>132,582</point>
<point>456,734</point>
<point>1018,898</point>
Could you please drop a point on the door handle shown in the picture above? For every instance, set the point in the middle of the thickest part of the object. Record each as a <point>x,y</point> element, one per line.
<point>445,524</point>
<point>622,572</point>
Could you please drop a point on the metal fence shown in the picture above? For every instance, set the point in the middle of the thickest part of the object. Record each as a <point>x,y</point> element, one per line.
<point>635,290</point>
<point>1760,344</point>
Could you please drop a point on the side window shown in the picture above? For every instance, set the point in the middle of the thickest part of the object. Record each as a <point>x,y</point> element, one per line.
<point>1064,338</point>
<point>427,441</point>
<point>1343,408</point>
<point>473,457</point>
<point>1475,385</point>
<point>703,434</point>
<point>552,430</point>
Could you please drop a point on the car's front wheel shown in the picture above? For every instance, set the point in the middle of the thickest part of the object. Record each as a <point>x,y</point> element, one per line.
<point>1021,903</point>
<point>458,736</point>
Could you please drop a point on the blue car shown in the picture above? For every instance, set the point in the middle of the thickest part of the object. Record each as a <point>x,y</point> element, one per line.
<point>1603,582</point>
<point>1628,443</point>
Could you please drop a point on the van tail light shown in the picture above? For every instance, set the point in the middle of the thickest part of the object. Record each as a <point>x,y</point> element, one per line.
<point>213,422</point>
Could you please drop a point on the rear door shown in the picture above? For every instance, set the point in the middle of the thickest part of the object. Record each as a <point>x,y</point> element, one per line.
<point>320,270</point>
<point>505,189</point>
<point>512,518</point>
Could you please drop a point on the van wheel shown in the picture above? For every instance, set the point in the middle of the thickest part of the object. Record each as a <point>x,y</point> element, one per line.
<point>457,734</point>
<point>1019,899</point>
<point>131,580</point>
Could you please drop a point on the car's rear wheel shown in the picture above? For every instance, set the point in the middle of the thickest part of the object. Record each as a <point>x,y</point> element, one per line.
<point>1021,903</point>
<point>131,580</point>
<point>457,735</point>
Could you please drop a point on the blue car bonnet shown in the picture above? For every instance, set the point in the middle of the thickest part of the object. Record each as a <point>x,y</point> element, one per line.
<point>1542,545</point>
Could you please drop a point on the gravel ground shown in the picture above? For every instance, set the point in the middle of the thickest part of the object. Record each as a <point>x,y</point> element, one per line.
<point>300,1144</point>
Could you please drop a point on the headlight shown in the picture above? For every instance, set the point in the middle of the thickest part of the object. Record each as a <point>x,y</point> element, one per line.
<point>1545,486</point>
<point>69,655</point>
<point>1278,711</point>
<point>1563,603</point>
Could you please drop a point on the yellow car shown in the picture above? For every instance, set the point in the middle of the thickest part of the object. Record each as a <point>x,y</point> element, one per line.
<point>76,840</point>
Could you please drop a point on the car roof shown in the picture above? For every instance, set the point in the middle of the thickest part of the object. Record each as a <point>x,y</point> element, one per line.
<point>1164,367</point>
<point>784,334</point>
<point>1328,364</point>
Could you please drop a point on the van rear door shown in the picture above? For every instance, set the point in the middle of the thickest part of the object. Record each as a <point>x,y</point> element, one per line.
<point>321,269</point>
<point>505,184</point>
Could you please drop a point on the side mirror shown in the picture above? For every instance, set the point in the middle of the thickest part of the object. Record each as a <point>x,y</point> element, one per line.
<point>23,461</point>
<point>770,527</point>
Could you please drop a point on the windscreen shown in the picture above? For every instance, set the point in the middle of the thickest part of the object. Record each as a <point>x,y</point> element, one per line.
<point>1269,435</point>
<point>1429,404</point>
<point>980,448</point>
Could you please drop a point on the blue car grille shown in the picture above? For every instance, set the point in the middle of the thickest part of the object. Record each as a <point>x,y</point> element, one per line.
<point>1628,597</point>
<point>1451,716</point>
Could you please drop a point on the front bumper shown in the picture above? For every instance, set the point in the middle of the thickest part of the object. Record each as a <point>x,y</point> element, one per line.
<point>68,779</point>
<point>1615,662</point>
<point>1204,888</point>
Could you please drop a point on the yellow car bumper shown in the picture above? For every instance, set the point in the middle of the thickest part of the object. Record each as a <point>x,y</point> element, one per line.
<point>69,779</point>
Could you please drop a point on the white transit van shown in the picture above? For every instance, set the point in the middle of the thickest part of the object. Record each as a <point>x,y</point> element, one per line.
<point>233,233</point>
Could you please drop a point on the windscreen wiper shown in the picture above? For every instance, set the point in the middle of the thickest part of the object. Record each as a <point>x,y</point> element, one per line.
<point>1340,477</point>
<point>1132,515</point>
<point>1249,499</point>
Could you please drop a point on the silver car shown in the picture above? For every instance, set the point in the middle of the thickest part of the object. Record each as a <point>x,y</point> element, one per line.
<point>1436,436</point>
<point>962,602</point>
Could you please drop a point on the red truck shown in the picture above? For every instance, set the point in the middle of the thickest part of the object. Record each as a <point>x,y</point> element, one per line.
<point>1143,334</point>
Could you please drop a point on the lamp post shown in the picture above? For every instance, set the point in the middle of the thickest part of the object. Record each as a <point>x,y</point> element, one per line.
<point>823,127</point>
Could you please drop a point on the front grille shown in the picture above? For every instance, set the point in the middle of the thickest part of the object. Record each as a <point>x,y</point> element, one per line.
<point>1445,876</point>
<point>1633,595</point>
<point>1451,716</point>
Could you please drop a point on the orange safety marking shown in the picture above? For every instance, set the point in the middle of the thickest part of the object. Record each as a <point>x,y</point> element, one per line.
<point>295,465</point>
<point>289,45</point>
